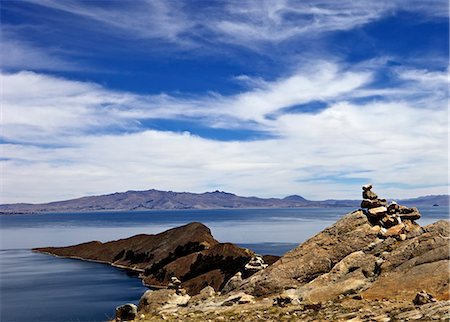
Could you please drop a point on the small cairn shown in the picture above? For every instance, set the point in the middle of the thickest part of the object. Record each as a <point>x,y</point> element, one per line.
<point>392,220</point>
<point>255,264</point>
<point>175,284</point>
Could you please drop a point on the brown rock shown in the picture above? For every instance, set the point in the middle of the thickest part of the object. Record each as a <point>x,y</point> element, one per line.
<point>314,257</point>
<point>390,220</point>
<point>349,276</point>
<point>415,264</point>
<point>393,208</point>
<point>423,298</point>
<point>409,213</point>
<point>368,203</point>
<point>395,231</point>
<point>368,194</point>
<point>377,212</point>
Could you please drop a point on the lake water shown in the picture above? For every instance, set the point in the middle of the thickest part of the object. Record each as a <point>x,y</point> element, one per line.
<point>38,287</point>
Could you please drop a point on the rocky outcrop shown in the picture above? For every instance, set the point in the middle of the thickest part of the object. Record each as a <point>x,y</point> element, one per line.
<point>315,257</point>
<point>375,264</point>
<point>378,252</point>
<point>188,253</point>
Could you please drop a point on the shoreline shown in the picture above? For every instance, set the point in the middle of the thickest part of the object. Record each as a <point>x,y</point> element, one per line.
<point>138,271</point>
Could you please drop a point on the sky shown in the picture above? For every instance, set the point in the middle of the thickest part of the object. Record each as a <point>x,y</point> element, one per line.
<point>257,98</point>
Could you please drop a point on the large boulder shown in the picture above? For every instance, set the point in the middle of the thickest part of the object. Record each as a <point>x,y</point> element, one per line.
<point>159,300</point>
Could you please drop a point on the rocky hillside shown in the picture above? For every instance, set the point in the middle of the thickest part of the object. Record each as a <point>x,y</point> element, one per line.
<point>379,252</point>
<point>155,199</point>
<point>189,252</point>
<point>374,264</point>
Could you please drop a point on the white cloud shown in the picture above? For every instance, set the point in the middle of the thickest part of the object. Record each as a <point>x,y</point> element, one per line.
<point>17,54</point>
<point>243,23</point>
<point>54,106</point>
<point>277,21</point>
<point>77,138</point>
<point>138,19</point>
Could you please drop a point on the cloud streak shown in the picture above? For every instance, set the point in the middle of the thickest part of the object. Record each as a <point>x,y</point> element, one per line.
<point>243,23</point>
<point>79,138</point>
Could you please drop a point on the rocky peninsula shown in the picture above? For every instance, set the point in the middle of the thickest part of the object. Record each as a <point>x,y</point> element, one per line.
<point>374,264</point>
<point>189,252</point>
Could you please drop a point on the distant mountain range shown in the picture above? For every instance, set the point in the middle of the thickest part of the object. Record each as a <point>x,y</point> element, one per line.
<point>155,199</point>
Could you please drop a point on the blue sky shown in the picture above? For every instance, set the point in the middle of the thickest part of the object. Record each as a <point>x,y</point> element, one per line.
<point>265,98</point>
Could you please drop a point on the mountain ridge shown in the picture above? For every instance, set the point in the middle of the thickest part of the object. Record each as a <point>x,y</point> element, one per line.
<point>132,200</point>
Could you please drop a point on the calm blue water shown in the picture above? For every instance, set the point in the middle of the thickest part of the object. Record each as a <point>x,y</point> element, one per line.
<point>37,287</point>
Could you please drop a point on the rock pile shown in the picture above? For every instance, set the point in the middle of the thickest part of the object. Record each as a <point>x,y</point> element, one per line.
<point>255,264</point>
<point>391,220</point>
<point>175,284</point>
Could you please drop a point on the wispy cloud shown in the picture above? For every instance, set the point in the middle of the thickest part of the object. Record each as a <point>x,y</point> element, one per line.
<point>89,133</point>
<point>242,23</point>
<point>20,54</point>
<point>81,107</point>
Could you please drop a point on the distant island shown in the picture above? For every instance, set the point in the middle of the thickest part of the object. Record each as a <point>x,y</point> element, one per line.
<point>169,200</point>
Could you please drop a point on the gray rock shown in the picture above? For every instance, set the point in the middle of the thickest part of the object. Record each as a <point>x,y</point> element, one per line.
<point>208,292</point>
<point>155,301</point>
<point>233,283</point>
<point>126,312</point>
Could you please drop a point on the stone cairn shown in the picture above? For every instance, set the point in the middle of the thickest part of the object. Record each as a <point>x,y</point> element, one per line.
<point>255,264</point>
<point>175,284</point>
<point>391,220</point>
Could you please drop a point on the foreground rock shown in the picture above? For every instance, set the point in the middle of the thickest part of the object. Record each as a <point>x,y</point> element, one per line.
<point>377,265</point>
<point>383,254</point>
<point>188,253</point>
<point>244,308</point>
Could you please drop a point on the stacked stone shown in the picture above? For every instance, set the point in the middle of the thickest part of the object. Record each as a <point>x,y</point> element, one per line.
<point>393,220</point>
<point>175,284</point>
<point>255,264</point>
